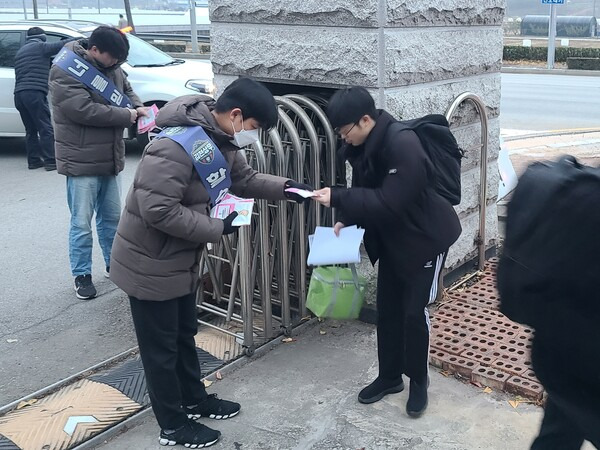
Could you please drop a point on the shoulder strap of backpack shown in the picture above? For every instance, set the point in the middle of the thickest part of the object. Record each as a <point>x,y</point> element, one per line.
<point>433,119</point>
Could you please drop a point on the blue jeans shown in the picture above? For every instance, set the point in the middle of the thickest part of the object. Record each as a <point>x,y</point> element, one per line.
<point>86,195</point>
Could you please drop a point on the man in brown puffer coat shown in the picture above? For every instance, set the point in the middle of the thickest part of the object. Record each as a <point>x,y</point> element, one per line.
<point>163,229</point>
<point>90,150</point>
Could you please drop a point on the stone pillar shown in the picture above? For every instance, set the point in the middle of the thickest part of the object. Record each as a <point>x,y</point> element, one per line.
<point>415,56</point>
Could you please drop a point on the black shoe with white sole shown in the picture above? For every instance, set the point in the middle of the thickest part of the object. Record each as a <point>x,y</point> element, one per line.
<point>379,389</point>
<point>84,288</point>
<point>213,408</point>
<point>190,435</point>
<point>107,272</point>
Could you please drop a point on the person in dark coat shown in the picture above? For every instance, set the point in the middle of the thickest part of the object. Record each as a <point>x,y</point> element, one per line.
<point>548,279</point>
<point>163,230</point>
<point>409,228</point>
<point>32,66</point>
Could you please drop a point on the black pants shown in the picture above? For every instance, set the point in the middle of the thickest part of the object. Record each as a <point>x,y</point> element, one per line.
<point>35,114</point>
<point>565,427</point>
<point>403,320</point>
<point>165,331</point>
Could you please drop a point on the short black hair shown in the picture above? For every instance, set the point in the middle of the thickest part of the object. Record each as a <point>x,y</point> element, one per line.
<point>111,40</point>
<point>34,31</point>
<point>349,105</point>
<point>253,98</point>
<point>121,16</point>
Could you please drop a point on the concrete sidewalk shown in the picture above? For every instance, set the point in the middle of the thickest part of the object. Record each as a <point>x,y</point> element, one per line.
<point>302,395</point>
<point>584,146</point>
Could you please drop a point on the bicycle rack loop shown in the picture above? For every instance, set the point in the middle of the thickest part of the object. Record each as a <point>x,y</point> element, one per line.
<point>266,261</point>
<point>482,111</point>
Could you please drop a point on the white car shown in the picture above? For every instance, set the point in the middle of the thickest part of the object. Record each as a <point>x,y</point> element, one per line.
<point>155,76</point>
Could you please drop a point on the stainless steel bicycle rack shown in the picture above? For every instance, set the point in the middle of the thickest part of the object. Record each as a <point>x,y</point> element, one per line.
<point>263,267</point>
<point>482,112</point>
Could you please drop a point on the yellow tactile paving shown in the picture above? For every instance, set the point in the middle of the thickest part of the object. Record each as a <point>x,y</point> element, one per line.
<point>219,344</point>
<point>80,411</point>
<point>224,346</point>
<point>67,417</point>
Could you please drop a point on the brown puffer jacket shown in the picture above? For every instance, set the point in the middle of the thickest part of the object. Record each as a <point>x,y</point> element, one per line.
<point>166,220</point>
<point>88,130</point>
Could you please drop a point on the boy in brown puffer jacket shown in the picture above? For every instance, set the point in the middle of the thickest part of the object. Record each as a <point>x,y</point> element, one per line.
<point>162,232</point>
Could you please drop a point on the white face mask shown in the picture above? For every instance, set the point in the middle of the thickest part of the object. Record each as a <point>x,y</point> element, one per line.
<point>244,138</point>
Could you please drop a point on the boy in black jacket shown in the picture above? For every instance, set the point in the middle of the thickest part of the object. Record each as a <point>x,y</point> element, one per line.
<point>408,228</point>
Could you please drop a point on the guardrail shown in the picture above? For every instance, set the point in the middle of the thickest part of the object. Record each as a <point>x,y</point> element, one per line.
<point>171,37</point>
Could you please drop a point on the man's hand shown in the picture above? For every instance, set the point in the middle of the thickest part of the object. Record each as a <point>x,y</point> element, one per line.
<point>142,111</point>
<point>292,195</point>
<point>133,115</point>
<point>337,227</point>
<point>228,226</point>
<point>323,197</point>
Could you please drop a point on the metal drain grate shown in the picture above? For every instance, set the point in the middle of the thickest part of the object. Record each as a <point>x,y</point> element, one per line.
<point>7,444</point>
<point>129,379</point>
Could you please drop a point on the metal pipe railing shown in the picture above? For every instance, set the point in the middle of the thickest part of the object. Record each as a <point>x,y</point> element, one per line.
<point>313,176</point>
<point>298,248</point>
<point>329,142</point>
<point>482,111</point>
<point>294,149</point>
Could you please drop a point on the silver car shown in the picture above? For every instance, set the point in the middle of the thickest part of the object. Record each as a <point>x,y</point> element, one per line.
<point>155,76</point>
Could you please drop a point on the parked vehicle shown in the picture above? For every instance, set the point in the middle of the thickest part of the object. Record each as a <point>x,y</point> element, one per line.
<point>155,76</point>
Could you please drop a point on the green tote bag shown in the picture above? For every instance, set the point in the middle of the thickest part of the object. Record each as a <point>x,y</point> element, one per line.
<point>336,292</point>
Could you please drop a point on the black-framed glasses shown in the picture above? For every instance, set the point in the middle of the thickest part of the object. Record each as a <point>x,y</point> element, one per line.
<point>339,131</point>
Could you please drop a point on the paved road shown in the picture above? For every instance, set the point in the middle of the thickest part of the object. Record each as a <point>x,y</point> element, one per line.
<point>549,102</point>
<point>56,334</point>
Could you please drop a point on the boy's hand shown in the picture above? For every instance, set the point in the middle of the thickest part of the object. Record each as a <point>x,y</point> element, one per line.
<point>142,111</point>
<point>133,115</point>
<point>228,226</point>
<point>323,197</point>
<point>292,195</point>
<point>337,227</point>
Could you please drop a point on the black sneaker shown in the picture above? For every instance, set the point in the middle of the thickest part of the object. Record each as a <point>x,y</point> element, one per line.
<point>214,408</point>
<point>190,435</point>
<point>36,165</point>
<point>417,399</point>
<point>84,288</point>
<point>107,272</point>
<point>49,167</point>
<point>379,389</point>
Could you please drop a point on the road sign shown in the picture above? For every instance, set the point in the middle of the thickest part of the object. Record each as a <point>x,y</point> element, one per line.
<point>553,2</point>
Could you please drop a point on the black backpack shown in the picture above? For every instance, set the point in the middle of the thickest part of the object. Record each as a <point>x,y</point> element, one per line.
<point>443,150</point>
<point>550,262</point>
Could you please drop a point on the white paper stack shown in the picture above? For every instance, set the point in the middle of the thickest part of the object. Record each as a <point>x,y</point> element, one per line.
<point>327,249</point>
